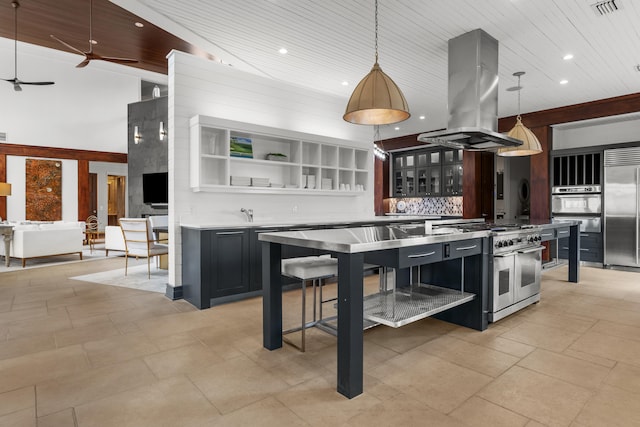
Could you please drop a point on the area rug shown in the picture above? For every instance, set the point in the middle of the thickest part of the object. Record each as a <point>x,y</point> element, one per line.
<point>136,278</point>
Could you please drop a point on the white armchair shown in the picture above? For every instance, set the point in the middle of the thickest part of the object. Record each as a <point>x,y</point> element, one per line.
<point>158,221</point>
<point>139,241</point>
<point>113,239</point>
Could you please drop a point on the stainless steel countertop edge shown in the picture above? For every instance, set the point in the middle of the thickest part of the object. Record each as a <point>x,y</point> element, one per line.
<point>297,238</point>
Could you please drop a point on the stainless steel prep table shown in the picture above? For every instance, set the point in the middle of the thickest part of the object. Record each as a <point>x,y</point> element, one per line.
<point>384,245</point>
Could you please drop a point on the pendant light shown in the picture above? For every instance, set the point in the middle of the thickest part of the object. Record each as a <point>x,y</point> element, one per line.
<point>530,144</point>
<point>376,100</point>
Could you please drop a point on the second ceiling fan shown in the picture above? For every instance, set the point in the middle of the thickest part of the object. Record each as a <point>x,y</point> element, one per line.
<point>90,55</point>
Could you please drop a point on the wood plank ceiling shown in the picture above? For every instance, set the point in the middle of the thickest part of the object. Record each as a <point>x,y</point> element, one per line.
<point>113,29</point>
<point>331,42</point>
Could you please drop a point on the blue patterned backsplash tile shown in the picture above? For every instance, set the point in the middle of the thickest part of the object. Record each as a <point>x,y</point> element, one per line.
<point>427,205</point>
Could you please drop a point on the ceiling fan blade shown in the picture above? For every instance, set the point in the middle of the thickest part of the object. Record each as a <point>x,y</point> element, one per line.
<point>37,83</point>
<point>67,45</point>
<point>83,63</point>
<point>119,60</point>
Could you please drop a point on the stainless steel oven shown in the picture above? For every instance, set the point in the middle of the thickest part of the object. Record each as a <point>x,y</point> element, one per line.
<point>517,269</point>
<point>576,200</point>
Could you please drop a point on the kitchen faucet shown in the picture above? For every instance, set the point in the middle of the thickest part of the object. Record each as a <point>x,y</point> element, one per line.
<point>248,213</point>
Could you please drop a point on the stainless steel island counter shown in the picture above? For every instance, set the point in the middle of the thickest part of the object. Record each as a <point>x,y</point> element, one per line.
<point>462,259</point>
<point>454,257</point>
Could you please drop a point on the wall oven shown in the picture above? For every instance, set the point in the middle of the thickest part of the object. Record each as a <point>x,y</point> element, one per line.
<point>578,200</point>
<point>517,269</point>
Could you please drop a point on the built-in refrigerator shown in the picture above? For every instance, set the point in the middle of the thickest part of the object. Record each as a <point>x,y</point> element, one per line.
<point>622,207</point>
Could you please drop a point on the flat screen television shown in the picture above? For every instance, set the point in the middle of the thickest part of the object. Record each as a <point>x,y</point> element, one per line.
<point>155,188</point>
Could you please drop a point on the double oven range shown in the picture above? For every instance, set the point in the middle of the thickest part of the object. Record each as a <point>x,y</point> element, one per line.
<point>517,269</point>
<point>517,266</point>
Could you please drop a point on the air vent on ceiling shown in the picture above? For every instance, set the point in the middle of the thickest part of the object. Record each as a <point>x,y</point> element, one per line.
<point>606,7</point>
<point>3,136</point>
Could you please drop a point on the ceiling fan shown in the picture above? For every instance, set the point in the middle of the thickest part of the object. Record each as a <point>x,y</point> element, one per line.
<point>17,82</point>
<point>90,55</point>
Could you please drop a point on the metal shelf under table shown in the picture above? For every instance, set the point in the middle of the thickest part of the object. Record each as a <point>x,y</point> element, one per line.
<point>401,307</point>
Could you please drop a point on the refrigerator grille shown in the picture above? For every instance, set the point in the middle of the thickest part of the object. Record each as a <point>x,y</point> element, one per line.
<point>622,157</point>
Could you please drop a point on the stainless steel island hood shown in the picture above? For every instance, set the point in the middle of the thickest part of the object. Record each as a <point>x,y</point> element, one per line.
<point>473,96</point>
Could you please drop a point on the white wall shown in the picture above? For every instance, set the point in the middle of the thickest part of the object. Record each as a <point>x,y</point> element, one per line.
<point>198,86</point>
<point>86,108</point>
<point>589,133</point>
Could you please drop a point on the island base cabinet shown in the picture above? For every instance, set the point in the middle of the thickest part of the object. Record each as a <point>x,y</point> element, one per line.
<point>215,264</point>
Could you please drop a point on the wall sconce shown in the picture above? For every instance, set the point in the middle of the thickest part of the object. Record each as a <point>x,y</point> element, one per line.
<point>136,135</point>
<point>5,189</point>
<point>163,131</point>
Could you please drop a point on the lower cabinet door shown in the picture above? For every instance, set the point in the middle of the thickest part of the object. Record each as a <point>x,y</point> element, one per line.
<point>230,262</point>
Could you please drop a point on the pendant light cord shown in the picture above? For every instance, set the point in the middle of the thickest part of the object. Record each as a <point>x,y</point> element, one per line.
<point>376,31</point>
<point>519,90</point>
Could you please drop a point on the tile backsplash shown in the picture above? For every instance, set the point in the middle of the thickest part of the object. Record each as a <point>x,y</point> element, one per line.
<point>427,205</point>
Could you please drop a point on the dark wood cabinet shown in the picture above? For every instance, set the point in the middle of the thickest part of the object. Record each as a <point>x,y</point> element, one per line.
<point>428,173</point>
<point>215,264</point>
<point>230,262</point>
<point>590,247</point>
<point>404,175</point>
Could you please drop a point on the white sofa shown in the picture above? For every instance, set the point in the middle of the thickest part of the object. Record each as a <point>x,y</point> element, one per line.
<point>113,239</point>
<point>46,239</point>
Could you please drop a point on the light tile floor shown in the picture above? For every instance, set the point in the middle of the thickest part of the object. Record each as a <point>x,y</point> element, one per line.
<point>75,353</point>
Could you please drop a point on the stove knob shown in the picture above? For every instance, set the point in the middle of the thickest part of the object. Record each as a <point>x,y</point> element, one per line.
<point>510,242</point>
<point>538,238</point>
<point>499,244</point>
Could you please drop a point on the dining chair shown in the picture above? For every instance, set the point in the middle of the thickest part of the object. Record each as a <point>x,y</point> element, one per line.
<point>91,231</point>
<point>139,241</point>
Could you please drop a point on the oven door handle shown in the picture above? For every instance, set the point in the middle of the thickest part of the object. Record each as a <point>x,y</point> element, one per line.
<point>531,250</point>
<point>505,254</point>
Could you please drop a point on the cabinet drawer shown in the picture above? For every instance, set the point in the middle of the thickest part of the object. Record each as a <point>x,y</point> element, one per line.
<point>547,235</point>
<point>562,232</point>
<point>462,248</point>
<point>418,255</point>
<point>591,252</point>
<point>591,240</point>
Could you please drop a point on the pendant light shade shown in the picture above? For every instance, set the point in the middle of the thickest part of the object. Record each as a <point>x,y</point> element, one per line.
<point>376,100</point>
<point>530,144</point>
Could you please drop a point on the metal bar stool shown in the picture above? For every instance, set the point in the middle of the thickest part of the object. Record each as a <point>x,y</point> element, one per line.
<point>315,269</point>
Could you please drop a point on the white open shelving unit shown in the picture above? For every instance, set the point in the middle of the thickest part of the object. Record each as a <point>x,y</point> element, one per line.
<point>313,164</point>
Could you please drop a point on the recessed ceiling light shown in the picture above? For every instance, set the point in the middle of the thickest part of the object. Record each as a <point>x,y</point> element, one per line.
<point>139,24</point>
<point>396,128</point>
<point>568,56</point>
<point>422,117</point>
<point>283,51</point>
<point>564,81</point>
<point>345,83</point>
